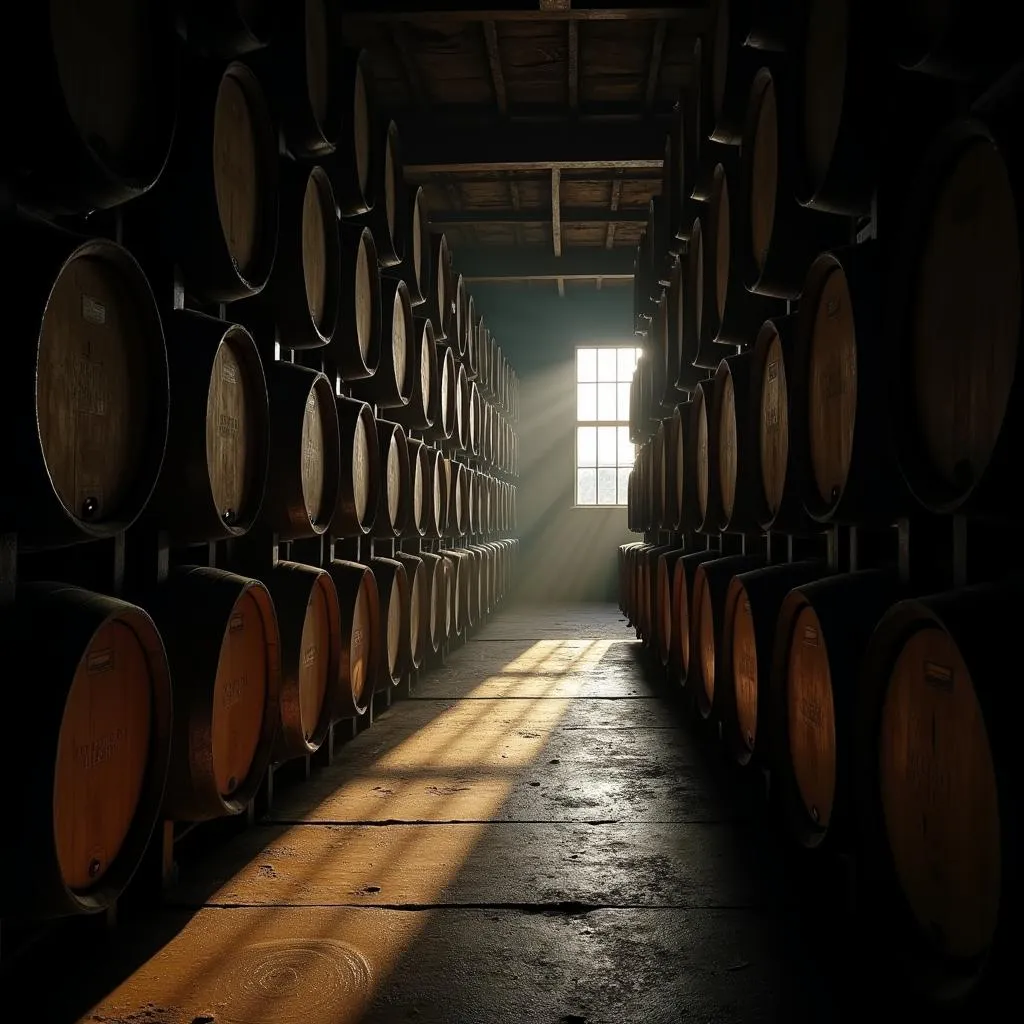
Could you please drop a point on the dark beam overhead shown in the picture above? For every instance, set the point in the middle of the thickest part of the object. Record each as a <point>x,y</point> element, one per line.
<point>695,14</point>
<point>567,215</point>
<point>609,112</point>
<point>541,175</point>
<point>538,263</point>
<point>432,146</point>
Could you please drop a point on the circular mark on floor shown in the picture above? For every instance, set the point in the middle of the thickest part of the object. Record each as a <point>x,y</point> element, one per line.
<point>287,981</point>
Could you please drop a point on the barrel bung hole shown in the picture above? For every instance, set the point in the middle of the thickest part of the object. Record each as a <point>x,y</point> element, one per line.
<point>940,795</point>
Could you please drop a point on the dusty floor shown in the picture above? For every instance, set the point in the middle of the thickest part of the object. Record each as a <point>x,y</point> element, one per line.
<point>535,836</point>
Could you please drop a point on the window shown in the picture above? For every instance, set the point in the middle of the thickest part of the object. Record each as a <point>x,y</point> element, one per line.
<point>604,454</point>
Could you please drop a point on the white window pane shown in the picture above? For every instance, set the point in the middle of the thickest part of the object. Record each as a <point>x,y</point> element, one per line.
<point>586,401</point>
<point>606,479</point>
<point>606,437</point>
<point>623,390</point>
<point>626,453</point>
<point>605,402</point>
<point>606,365</point>
<point>586,446</point>
<point>623,485</point>
<point>586,486</point>
<point>627,363</point>
<point>586,364</point>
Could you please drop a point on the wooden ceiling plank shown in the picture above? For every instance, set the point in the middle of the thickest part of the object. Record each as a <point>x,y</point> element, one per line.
<point>556,210</point>
<point>609,241</point>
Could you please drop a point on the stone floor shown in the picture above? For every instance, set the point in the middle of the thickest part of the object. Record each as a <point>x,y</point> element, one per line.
<point>537,835</point>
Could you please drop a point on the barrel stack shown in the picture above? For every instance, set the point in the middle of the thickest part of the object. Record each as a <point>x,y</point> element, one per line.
<point>829,298</point>
<point>263,453</point>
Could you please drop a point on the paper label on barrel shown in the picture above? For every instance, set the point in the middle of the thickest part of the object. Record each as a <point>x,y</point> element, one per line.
<point>100,661</point>
<point>938,675</point>
<point>93,311</point>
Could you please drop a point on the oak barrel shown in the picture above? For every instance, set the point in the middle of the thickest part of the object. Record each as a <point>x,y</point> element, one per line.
<point>394,496</point>
<point>96,756</point>
<point>959,317</point>
<point>752,606</point>
<point>224,652</point>
<point>395,597</point>
<point>453,572</point>
<point>663,605</point>
<point>421,608</point>
<point>387,217</point>
<point>349,167</point>
<point>422,503</point>
<point>416,266</point>
<point>440,615</point>
<point>822,632</point>
<point>90,111</point>
<point>356,350</point>
<point>360,469</point>
<point>441,301</point>
<point>424,400</point>
<point>391,385</point>
<point>704,455</point>
<point>304,466</point>
<point>736,436</point>
<point>458,499</point>
<point>359,661</point>
<point>85,389</point>
<point>463,409</point>
<point>445,397</point>
<point>223,222</point>
<point>215,470</point>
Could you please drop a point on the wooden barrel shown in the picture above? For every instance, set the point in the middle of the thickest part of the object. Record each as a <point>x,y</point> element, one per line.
<point>304,464</point>
<point>360,462</point>
<point>938,789</point>
<point>359,660</point>
<point>86,389</point>
<point>444,401</point>
<point>958,318</point>
<point>780,238</point>
<point>649,599</point>
<point>440,485</point>
<point>416,265</point>
<point>391,385</point>
<point>223,223</point>
<point>663,602</point>
<point>350,165</point>
<point>852,474</point>
<point>776,382</point>
<point>475,418</point>
<point>425,397</point>
<point>838,123</point>
<point>458,500</point>
<point>388,216</point>
<point>822,632</point>
<point>736,437</point>
<point>463,409</point>
<point>394,496</point>
<point>474,323</point>
<point>453,572</point>
<point>732,66</point>
<point>437,633</point>
<point>752,606</point>
<point>221,635</point>
<point>694,350</point>
<point>421,609</point>
<point>309,619</point>
<point>395,596</point>
<point>441,301</point>
<point>678,487</point>
<point>356,350</point>
<point>704,455</point>
<point>304,291</point>
<point>460,318</point>
<point>713,696</point>
<point>421,497</point>
<point>731,314</point>
<point>96,755</point>
<point>472,576</point>
<point>215,470</point>
<point>227,28</point>
<point>91,121</point>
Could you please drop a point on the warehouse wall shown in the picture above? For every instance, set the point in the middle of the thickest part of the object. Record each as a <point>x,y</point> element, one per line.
<point>568,554</point>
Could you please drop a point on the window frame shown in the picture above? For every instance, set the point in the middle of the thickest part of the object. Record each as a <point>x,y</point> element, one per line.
<point>615,423</point>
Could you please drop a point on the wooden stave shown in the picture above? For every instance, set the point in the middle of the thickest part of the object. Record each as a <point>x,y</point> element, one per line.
<point>67,175</point>
<point>42,521</point>
<point>76,615</point>
<point>283,510</point>
<point>344,352</point>
<point>354,198</point>
<point>291,585</point>
<point>847,607</point>
<point>192,609</point>
<point>765,589</point>
<point>391,384</point>
<point>383,527</point>
<point>391,579</point>
<point>349,579</point>
<point>346,522</point>
<point>191,221</point>
<point>182,502</point>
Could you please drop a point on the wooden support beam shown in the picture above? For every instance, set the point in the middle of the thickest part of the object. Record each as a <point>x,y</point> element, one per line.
<point>696,15</point>
<point>609,241</point>
<point>561,287</point>
<point>430,146</point>
<point>469,116</point>
<point>517,215</point>
<point>513,190</point>
<point>540,176</point>
<point>654,66</point>
<point>406,49</point>
<point>494,60</point>
<point>574,66</point>
<point>537,263</point>
<point>556,211</point>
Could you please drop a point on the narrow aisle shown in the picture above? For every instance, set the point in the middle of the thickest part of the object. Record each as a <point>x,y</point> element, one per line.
<point>532,837</point>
